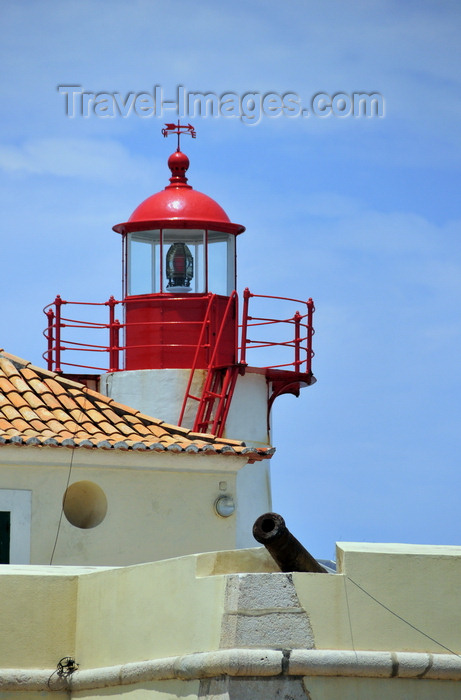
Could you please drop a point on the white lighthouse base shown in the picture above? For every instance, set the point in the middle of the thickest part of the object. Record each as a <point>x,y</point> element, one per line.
<point>160,393</point>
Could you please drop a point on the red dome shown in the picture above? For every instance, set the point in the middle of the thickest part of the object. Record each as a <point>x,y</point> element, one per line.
<point>179,206</point>
<point>179,203</point>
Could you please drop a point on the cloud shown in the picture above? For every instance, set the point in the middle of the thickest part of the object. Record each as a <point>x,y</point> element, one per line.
<point>103,161</point>
<point>409,56</point>
<point>330,205</point>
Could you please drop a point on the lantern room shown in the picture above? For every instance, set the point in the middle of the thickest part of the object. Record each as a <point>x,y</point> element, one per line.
<point>179,253</point>
<point>179,241</point>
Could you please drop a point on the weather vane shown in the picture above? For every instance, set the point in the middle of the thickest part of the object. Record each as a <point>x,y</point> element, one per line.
<point>179,129</point>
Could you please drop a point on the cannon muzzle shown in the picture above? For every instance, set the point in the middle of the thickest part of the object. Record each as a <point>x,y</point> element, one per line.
<point>270,530</point>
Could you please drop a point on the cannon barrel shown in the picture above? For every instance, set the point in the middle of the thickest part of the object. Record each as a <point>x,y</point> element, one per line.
<point>270,530</point>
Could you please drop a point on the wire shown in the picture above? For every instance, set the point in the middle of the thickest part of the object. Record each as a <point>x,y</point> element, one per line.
<point>65,492</point>
<point>349,617</point>
<point>63,503</point>
<point>399,617</point>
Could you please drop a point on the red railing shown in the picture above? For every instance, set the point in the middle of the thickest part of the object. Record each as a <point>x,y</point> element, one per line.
<point>295,342</point>
<point>56,344</point>
<point>299,340</point>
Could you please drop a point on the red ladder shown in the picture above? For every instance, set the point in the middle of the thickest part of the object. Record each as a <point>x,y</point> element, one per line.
<point>219,386</point>
<point>219,383</point>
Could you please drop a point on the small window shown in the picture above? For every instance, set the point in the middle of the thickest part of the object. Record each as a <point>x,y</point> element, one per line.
<point>5,526</point>
<point>15,518</point>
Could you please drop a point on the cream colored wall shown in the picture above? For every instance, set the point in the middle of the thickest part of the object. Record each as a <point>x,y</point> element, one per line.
<point>420,583</point>
<point>104,617</point>
<point>318,689</point>
<point>146,612</point>
<point>160,505</point>
<point>38,616</point>
<point>254,499</point>
<point>173,608</point>
<point>379,689</point>
<point>159,690</point>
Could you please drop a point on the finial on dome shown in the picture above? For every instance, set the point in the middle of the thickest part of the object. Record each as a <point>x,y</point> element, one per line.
<point>178,163</point>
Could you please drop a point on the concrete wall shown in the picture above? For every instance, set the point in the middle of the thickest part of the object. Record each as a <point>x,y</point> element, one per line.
<point>162,610</point>
<point>248,414</point>
<point>155,392</point>
<point>38,615</point>
<point>159,505</point>
<point>416,582</point>
<point>228,625</point>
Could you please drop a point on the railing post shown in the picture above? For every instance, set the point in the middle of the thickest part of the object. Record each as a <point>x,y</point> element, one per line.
<point>57,352</point>
<point>49,336</point>
<point>115,349</point>
<point>236,329</point>
<point>310,333</point>
<point>297,319</point>
<point>246,299</point>
<point>114,328</point>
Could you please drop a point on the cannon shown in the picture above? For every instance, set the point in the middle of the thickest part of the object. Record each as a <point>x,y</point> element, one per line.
<point>289,554</point>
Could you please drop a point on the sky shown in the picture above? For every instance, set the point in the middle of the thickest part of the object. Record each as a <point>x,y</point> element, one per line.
<point>361,213</point>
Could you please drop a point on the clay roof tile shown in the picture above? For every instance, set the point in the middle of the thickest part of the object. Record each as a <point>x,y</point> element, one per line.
<point>16,399</point>
<point>38,386</point>
<point>7,367</point>
<point>27,413</point>
<point>55,387</point>
<point>19,383</point>
<point>68,402</point>
<point>10,412</point>
<point>5,385</point>
<point>20,425</point>
<point>39,407</point>
<point>61,415</point>
<point>50,400</point>
<point>32,399</point>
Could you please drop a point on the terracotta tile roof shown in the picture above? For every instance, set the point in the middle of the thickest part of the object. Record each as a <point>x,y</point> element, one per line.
<point>38,407</point>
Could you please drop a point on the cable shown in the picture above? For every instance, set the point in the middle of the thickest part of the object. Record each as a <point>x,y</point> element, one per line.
<point>349,617</point>
<point>63,504</point>
<point>399,617</point>
<point>65,492</point>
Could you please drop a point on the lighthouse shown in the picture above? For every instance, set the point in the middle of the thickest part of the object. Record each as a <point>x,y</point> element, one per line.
<point>181,315</point>
<point>98,485</point>
<point>180,341</point>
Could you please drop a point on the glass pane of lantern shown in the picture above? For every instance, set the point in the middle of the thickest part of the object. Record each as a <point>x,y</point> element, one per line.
<point>183,260</point>
<point>143,262</point>
<point>140,269</point>
<point>221,263</point>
